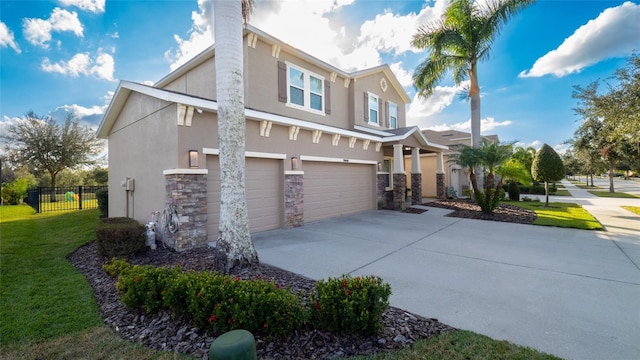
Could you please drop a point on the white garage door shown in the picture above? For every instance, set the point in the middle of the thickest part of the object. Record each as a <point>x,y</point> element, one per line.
<point>335,189</point>
<point>264,194</point>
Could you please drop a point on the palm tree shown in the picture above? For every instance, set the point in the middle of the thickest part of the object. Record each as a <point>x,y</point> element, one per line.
<point>525,157</point>
<point>235,245</point>
<point>457,42</point>
<point>491,155</point>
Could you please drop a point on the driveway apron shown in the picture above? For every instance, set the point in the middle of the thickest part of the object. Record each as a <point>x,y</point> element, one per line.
<point>572,293</point>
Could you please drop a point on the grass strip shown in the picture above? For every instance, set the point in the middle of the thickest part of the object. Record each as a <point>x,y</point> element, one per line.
<point>460,345</point>
<point>566,215</point>
<point>619,195</point>
<point>633,209</point>
<point>93,343</point>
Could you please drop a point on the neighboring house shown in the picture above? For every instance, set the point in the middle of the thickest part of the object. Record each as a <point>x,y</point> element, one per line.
<point>320,142</point>
<point>455,177</point>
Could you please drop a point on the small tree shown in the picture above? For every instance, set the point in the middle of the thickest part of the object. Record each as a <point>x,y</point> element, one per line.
<point>547,166</point>
<point>45,145</point>
<point>491,156</point>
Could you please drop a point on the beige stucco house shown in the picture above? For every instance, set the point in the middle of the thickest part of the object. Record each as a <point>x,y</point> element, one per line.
<point>320,142</point>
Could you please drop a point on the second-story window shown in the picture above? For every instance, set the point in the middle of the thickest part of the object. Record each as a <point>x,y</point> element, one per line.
<point>374,106</point>
<point>393,115</point>
<point>305,89</point>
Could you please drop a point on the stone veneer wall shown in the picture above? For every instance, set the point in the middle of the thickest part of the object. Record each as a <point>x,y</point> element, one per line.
<point>380,191</point>
<point>440,188</point>
<point>188,195</point>
<point>416,189</point>
<point>399,191</point>
<point>293,200</point>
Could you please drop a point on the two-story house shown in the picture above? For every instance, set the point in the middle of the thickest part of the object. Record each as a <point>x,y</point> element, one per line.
<point>320,142</point>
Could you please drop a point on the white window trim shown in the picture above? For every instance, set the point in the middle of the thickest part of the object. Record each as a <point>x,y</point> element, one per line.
<point>389,115</point>
<point>307,89</point>
<point>389,173</point>
<point>370,94</point>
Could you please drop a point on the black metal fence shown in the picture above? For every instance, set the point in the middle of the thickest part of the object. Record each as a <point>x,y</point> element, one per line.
<point>63,198</point>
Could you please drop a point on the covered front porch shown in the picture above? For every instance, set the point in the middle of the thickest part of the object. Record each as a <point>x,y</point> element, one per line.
<point>400,175</point>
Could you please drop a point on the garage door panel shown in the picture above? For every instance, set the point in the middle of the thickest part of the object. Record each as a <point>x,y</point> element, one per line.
<point>334,189</point>
<point>263,190</point>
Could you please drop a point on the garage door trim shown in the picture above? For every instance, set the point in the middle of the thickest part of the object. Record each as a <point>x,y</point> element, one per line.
<point>249,154</point>
<point>337,160</point>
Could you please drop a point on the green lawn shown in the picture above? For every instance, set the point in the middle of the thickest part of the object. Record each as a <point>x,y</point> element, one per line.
<point>608,194</point>
<point>559,214</point>
<point>48,310</point>
<point>461,345</point>
<point>633,209</point>
<point>47,307</point>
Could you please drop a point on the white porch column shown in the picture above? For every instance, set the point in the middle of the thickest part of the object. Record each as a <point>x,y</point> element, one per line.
<point>415,161</point>
<point>440,163</point>
<point>398,159</point>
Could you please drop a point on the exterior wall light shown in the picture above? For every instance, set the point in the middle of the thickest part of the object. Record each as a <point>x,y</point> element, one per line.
<point>379,166</point>
<point>294,163</point>
<point>193,158</point>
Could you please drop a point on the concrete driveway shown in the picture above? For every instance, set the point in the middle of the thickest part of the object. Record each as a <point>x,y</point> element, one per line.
<point>572,293</point>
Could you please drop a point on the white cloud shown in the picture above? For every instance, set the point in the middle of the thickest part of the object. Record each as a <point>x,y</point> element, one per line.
<point>82,64</point>
<point>391,32</point>
<point>38,31</point>
<point>95,6</point>
<point>200,36</point>
<point>486,124</point>
<point>422,110</point>
<point>405,77</point>
<point>7,39</point>
<point>329,40</point>
<point>614,33</point>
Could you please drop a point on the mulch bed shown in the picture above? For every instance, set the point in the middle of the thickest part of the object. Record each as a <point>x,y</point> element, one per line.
<point>164,331</point>
<point>464,208</point>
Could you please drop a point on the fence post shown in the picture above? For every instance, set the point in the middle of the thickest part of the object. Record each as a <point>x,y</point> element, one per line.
<point>80,197</point>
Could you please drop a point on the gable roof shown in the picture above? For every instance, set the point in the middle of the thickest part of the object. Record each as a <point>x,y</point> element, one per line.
<point>455,138</point>
<point>209,53</point>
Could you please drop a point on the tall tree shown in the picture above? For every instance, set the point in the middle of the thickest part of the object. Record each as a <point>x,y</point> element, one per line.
<point>457,42</point>
<point>45,145</point>
<point>547,166</point>
<point>234,246</point>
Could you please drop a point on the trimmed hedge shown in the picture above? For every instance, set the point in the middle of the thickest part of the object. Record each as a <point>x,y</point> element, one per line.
<point>102,195</point>
<point>350,305</point>
<point>224,303</point>
<point>120,237</point>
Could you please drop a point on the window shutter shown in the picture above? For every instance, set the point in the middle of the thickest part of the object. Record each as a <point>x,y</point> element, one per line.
<point>282,81</point>
<point>387,121</point>
<point>366,107</point>
<point>327,97</point>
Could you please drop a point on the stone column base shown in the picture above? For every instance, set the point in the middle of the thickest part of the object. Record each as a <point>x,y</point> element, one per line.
<point>416,189</point>
<point>187,194</point>
<point>399,191</point>
<point>293,200</point>
<point>441,190</point>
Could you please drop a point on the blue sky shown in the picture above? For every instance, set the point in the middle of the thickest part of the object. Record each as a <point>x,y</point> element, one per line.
<point>68,55</point>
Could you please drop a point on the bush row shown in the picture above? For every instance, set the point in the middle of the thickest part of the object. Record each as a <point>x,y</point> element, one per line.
<point>224,303</point>
<point>120,237</point>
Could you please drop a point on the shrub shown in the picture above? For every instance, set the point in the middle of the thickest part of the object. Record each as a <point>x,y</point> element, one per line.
<point>102,195</point>
<point>211,300</point>
<point>120,237</point>
<point>514,191</point>
<point>142,287</point>
<point>116,266</point>
<point>349,305</point>
<point>536,189</point>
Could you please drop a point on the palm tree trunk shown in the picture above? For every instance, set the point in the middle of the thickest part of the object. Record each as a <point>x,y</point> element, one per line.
<point>474,101</point>
<point>234,246</point>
